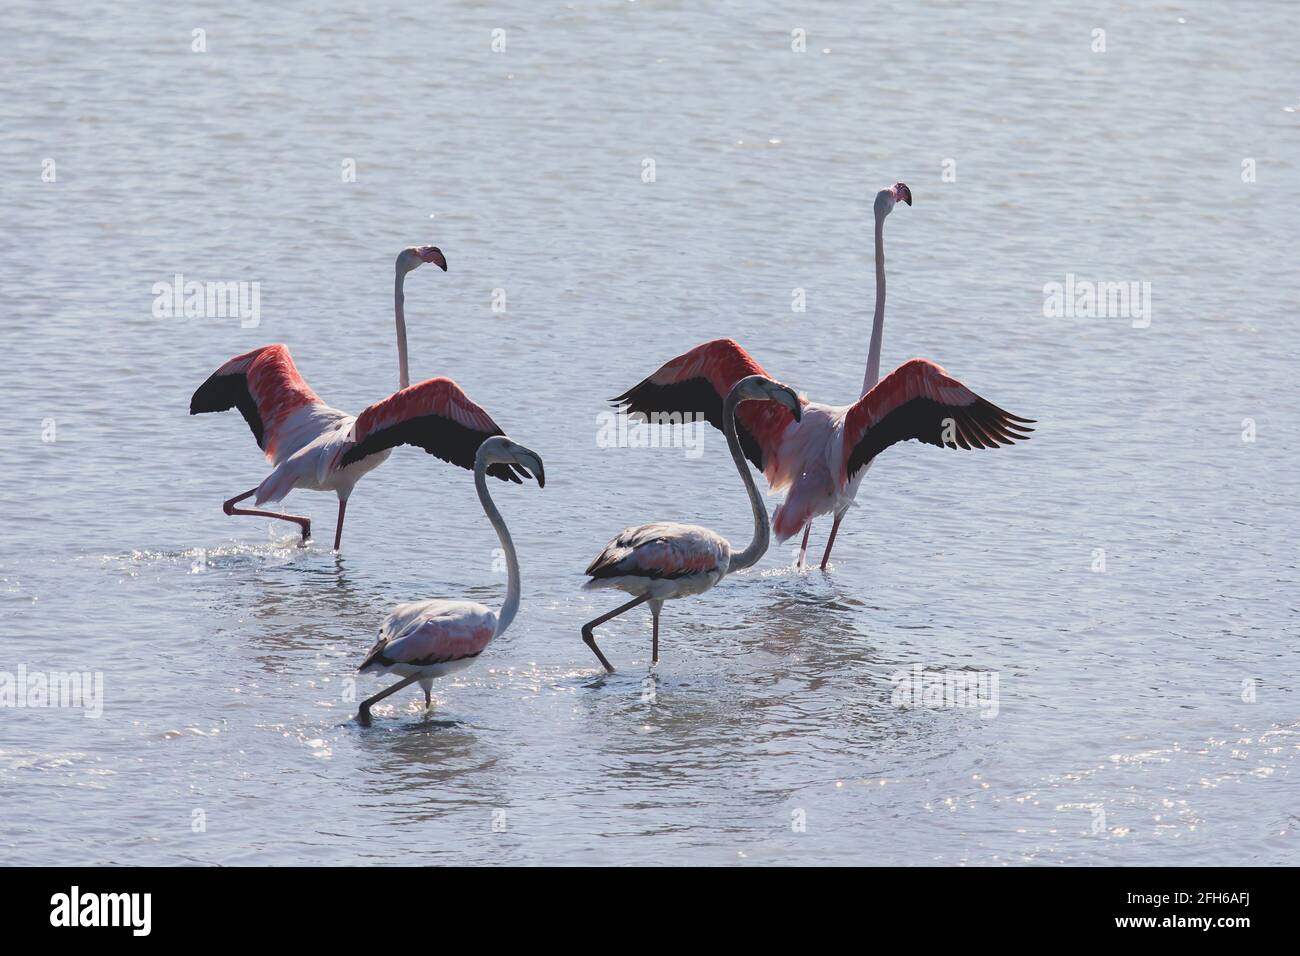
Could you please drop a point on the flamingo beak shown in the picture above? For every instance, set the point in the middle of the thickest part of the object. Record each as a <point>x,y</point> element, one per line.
<point>793,403</point>
<point>531,464</point>
<point>902,193</point>
<point>432,254</point>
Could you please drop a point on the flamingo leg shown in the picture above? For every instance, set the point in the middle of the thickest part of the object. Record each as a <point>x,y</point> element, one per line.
<point>803,548</point>
<point>830,542</point>
<point>363,712</point>
<point>428,692</point>
<point>590,626</point>
<point>338,528</point>
<point>655,608</point>
<point>229,508</point>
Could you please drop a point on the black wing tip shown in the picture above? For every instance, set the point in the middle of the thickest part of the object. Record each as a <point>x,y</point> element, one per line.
<point>1009,417</point>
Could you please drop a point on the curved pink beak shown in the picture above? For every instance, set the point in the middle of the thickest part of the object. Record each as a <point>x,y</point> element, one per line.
<point>902,193</point>
<point>432,254</point>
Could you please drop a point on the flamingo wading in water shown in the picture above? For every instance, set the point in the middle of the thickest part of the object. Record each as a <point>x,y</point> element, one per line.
<point>820,461</point>
<point>664,560</point>
<point>307,440</point>
<point>428,639</point>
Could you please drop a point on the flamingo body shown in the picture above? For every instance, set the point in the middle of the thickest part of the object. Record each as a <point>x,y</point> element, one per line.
<point>315,466</point>
<point>664,560</point>
<point>431,638</point>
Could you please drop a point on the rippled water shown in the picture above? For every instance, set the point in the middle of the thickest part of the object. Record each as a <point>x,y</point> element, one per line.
<point>1146,713</point>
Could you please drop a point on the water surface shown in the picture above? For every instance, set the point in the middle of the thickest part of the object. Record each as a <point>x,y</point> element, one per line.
<point>1146,713</point>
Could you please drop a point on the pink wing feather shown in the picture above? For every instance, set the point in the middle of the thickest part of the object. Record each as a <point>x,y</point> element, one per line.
<point>698,381</point>
<point>266,387</point>
<point>435,415</point>
<point>919,400</point>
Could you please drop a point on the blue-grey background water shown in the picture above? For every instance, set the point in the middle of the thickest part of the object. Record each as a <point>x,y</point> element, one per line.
<point>1146,712</point>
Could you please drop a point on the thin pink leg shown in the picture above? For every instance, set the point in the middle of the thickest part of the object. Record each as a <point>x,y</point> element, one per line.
<point>338,528</point>
<point>830,543</point>
<point>229,508</point>
<point>803,548</point>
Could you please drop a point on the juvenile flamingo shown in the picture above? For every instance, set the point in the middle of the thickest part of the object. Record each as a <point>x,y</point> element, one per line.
<point>307,440</point>
<point>428,639</point>
<point>817,460</point>
<point>664,560</point>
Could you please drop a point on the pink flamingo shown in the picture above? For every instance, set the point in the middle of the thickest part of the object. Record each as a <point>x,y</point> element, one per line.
<point>428,639</point>
<point>820,461</point>
<point>664,560</point>
<point>319,448</point>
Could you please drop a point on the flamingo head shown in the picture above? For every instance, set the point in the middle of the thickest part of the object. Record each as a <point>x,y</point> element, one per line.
<point>413,257</point>
<point>886,199</point>
<point>501,450</point>
<point>758,388</point>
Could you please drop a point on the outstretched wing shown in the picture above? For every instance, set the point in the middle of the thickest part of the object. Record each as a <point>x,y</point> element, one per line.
<point>698,381</point>
<point>920,400</point>
<point>264,385</point>
<point>435,415</point>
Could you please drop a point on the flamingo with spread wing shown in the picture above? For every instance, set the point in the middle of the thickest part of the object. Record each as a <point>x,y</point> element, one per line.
<point>820,459</point>
<point>319,448</point>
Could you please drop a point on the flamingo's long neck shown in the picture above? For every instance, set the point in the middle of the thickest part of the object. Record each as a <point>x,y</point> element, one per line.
<point>511,606</point>
<point>762,529</point>
<point>878,323</point>
<point>399,312</point>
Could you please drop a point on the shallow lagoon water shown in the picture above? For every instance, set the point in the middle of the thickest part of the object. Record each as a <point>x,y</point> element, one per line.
<point>1146,713</point>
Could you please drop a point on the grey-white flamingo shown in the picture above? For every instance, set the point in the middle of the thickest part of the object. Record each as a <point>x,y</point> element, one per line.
<point>664,560</point>
<point>425,640</point>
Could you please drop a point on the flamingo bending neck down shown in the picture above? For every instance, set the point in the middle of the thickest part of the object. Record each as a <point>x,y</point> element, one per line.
<point>664,560</point>
<point>319,448</point>
<point>821,459</point>
<point>428,639</point>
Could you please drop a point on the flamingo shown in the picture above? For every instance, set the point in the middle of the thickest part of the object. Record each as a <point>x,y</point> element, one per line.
<point>664,560</point>
<point>821,460</point>
<point>427,639</point>
<point>317,447</point>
